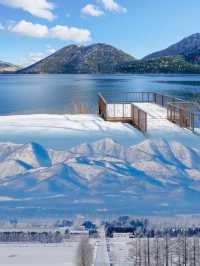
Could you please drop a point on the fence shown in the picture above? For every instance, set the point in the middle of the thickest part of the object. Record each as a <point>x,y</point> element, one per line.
<point>184,115</point>
<point>164,100</point>
<point>125,112</point>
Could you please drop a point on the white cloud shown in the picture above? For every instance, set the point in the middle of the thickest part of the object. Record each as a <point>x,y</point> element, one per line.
<point>38,8</point>
<point>70,34</point>
<point>113,6</point>
<point>92,10</point>
<point>29,29</point>
<point>1,27</point>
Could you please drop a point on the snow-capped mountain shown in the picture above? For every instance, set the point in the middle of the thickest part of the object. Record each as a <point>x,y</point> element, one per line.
<point>101,176</point>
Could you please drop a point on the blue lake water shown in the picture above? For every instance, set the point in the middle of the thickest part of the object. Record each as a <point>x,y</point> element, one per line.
<point>21,94</point>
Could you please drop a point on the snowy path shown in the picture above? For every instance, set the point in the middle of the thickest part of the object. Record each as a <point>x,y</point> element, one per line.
<point>102,258</point>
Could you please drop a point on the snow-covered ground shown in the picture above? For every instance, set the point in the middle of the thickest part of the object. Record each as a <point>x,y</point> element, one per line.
<point>17,254</point>
<point>66,131</point>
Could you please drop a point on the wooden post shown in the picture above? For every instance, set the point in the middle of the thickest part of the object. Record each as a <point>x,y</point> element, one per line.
<point>102,107</point>
<point>192,118</point>
<point>132,114</point>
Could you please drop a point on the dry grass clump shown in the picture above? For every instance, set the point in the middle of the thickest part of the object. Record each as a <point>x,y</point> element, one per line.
<point>80,108</point>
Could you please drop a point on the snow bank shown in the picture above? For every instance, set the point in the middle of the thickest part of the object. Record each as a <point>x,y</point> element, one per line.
<point>67,131</point>
<point>64,131</point>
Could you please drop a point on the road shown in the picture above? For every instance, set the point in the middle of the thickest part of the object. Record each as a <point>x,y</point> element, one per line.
<point>102,258</point>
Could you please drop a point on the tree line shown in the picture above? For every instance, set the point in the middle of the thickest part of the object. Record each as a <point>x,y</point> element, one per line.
<point>165,251</point>
<point>42,237</point>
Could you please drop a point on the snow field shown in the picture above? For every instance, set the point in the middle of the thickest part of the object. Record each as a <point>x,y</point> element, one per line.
<point>63,254</point>
<point>66,131</point>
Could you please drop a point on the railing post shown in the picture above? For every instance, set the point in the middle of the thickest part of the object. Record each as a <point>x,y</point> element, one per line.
<point>145,122</point>
<point>99,104</point>
<point>132,113</point>
<point>192,122</point>
<point>102,106</point>
<point>155,95</point>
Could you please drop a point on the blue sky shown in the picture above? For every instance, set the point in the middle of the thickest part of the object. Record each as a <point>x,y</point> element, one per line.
<point>30,30</point>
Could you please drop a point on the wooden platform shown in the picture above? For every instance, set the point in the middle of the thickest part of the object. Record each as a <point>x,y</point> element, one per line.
<point>136,107</point>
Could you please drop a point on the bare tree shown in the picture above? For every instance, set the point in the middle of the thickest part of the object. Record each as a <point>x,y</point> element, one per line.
<point>157,251</point>
<point>148,252</point>
<point>185,258</point>
<point>85,253</point>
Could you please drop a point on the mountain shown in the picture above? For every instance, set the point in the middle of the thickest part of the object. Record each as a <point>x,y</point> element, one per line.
<point>189,48</point>
<point>32,154</point>
<point>182,57</point>
<point>164,64</point>
<point>152,176</point>
<point>97,58</point>
<point>7,67</point>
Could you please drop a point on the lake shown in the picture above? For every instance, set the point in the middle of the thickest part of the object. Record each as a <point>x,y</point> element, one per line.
<point>25,94</point>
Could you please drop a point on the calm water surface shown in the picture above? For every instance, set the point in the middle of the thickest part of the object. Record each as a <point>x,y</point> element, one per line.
<point>21,94</point>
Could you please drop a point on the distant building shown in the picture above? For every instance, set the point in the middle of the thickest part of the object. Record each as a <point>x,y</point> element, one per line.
<point>78,233</point>
<point>122,235</point>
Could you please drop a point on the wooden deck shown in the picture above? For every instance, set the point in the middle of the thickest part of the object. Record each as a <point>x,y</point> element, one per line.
<point>127,108</point>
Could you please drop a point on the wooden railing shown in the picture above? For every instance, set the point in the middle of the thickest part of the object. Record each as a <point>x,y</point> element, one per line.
<point>139,118</point>
<point>118,111</point>
<point>125,112</point>
<point>120,107</point>
<point>102,106</point>
<point>131,97</point>
<point>181,115</point>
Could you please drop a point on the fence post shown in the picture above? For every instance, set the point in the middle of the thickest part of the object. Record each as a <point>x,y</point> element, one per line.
<point>155,96</point>
<point>192,122</point>
<point>138,119</point>
<point>132,114</point>
<point>145,122</point>
<point>102,106</point>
